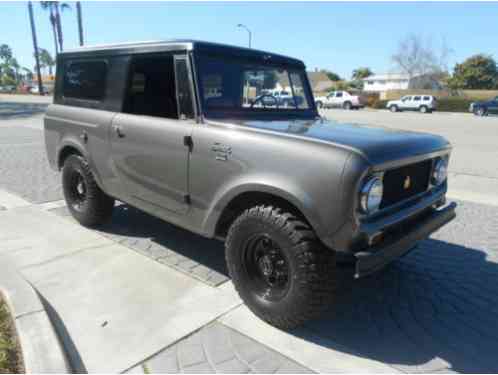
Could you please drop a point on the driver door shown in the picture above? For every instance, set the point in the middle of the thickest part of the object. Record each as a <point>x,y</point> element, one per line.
<point>148,139</point>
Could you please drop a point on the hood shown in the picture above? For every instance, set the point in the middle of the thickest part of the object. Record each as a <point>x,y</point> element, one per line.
<point>377,144</point>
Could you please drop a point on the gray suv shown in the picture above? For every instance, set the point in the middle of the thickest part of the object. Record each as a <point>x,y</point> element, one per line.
<point>182,130</point>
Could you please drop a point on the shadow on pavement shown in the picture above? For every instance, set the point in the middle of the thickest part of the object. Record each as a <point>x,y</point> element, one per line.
<point>435,309</point>
<point>13,110</point>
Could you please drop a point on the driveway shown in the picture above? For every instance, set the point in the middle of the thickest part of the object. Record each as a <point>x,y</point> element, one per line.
<point>431,311</point>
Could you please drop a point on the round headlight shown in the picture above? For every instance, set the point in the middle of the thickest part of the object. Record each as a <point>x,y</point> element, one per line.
<point>440,172</point>
<point>371,195</point>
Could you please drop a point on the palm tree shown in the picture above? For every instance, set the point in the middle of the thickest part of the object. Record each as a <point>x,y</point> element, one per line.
<point>80,21</point>
<point>46,60</point>
<point>49,6</point>
<point>59,6</point>
<point>35,46</point>
<point>54,8</point>
<point>360,73</point>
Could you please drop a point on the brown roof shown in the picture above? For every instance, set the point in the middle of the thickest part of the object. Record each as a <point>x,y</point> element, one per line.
<point>319,81</point>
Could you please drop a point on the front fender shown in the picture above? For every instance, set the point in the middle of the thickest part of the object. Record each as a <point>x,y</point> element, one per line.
<point>295,196</point>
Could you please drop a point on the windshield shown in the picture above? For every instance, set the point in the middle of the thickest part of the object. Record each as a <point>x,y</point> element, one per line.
<point>237,85</point>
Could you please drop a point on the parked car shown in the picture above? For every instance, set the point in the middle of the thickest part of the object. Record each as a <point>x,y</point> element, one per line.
<point>279,98</point>
<point>421,103</point>
<point>484,108</point>
<point>291,194</point>
<point>340,99</point>
<point>35,90</point>
<point>8,89</point>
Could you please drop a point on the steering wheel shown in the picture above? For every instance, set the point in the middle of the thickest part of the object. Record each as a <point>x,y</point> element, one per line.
<point>260,99</point>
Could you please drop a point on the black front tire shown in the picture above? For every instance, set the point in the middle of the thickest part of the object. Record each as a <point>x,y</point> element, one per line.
<point>304,268</point>
<point>481,112</point>
<point>88,204</point>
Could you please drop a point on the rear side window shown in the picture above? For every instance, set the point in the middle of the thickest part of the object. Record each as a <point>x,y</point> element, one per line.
<point>85,80</point>
<point>416,98</point>
<point>427,98</point>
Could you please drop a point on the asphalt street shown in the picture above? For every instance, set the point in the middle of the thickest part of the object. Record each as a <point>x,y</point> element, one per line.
<point>433,310</point>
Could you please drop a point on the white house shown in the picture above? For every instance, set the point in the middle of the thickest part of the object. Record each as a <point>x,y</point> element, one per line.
<point>384,82</point>
<point>398,81</point>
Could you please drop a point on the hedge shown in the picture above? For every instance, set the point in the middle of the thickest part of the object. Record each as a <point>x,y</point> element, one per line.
<point>453,104</point>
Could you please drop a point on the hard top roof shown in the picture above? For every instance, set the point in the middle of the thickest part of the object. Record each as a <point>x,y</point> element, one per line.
<point>177,45</point>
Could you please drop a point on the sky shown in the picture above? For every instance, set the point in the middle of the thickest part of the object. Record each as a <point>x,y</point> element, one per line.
<point>337,36</point>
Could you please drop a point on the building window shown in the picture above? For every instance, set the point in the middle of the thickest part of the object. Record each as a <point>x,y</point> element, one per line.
<point>85,80</point>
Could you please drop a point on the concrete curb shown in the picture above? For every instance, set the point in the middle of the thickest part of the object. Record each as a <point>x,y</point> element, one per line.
<point>41,350</point>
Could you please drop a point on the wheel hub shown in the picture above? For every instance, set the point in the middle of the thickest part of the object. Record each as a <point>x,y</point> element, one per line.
<point>266,267</point>
<point>80,188</point>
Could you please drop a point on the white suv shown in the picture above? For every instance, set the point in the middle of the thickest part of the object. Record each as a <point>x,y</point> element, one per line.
<point>422,103</point>
<point>339,99</point>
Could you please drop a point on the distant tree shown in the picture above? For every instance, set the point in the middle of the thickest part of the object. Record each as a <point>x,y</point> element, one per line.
<point>477,72</point>
<point>79,17</point>
<point>7,65</point>
<point>416,56</point>
<point>332,76</point>
<point>46,60</point>
<point>5,52</point>
<point>49,6</point>
<point>360,73</point>
<point>28,74</point>
<point>35,46</point>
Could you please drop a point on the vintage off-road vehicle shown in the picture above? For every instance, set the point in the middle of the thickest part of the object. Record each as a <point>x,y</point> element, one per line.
<point>180,129</point>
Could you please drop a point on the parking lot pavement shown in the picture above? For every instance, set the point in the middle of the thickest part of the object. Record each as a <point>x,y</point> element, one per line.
<point>473,138</point>
<point>433,310</point>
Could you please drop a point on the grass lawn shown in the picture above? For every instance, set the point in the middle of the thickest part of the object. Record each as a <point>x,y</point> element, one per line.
<point>10,355</point>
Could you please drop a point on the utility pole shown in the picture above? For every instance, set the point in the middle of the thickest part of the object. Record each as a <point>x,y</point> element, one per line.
<point>249,32</point>
<point>35,46</point>
<point>80,22</point>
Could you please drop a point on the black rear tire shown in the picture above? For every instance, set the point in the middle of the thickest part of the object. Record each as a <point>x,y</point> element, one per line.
<point>88,204</point>
<point>303,270</point>
<point>347,106</point>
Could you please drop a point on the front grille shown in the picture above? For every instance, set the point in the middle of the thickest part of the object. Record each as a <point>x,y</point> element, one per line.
<point>405,182</point>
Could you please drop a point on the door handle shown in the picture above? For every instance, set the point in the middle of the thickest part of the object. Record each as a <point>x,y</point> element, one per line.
<point>119,131</point>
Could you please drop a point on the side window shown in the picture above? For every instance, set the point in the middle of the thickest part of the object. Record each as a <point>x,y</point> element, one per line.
<point>407,98</point>
<point>183,88</point>
<point>416,98</point>
<point>427,98</point>
<point>331,95</point>
<point>151,87</point>
<point>85,80</point>
<point>339,94</point>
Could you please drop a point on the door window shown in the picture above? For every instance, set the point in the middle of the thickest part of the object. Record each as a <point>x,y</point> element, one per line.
<point>151,87</point>
<point>416,98</point>
<point>183,88</point>
<point>338,95</point>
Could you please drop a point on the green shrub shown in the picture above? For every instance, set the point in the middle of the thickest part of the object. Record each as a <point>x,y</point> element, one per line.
<point>453,104</point>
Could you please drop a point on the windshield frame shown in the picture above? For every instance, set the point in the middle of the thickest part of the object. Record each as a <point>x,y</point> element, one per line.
<point>258,58</point>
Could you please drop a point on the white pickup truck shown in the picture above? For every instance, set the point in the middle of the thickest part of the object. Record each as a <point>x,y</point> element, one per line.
<point>339,99</point>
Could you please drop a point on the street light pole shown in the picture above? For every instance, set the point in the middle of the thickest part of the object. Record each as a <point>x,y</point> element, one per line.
<point>249,31</point>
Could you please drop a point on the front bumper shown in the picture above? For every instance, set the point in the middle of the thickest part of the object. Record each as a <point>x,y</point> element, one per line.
<point>377,257</point>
